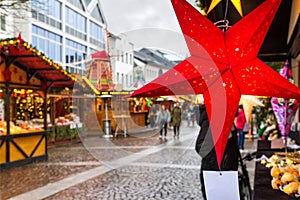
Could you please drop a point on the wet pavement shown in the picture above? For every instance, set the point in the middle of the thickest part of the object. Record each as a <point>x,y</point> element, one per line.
<point>134,167</point>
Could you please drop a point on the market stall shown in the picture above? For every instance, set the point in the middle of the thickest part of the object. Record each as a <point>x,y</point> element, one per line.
<point>26,76</point>
<point>270,181</point>
<point>70,108</point>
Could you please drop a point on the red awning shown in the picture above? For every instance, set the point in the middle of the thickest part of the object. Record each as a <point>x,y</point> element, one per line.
<point>18,52</point>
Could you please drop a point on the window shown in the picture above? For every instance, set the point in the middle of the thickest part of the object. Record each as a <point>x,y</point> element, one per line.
<point>131,80</point>
<point>118,77</point>
<point>48,42</point>
<point>48,12</point>
<point>130,59</point>
<point>75,52</point>
<point>87,2</point>
<point>75,24</point>
<point>118,55</point>
<point>96,35</point>
<point>76,3</point>
<point>97,14</point>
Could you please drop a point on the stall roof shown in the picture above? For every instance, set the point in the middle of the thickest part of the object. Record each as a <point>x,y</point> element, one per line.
<point>86,83</point>
<point>34,62</point>
<point>275,46</point>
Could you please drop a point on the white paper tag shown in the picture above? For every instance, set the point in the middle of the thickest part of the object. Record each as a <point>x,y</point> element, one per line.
<point>221,185</point>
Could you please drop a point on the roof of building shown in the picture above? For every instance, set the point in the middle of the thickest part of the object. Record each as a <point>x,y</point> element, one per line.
<point>100,55</point>
<point>154,57</point>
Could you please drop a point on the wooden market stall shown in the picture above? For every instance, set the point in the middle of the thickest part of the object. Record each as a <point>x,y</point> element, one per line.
<point>70,110</point>
<point>26,75</point>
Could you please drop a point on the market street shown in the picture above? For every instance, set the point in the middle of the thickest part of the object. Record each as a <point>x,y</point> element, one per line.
<point>124,168</point>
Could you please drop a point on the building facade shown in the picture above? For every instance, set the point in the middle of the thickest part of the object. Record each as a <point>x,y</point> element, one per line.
<point>148,65</point>
<point>67,31</point>
<point>121,56</point>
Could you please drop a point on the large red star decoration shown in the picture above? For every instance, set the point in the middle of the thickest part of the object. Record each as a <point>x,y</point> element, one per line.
<point>222,66</point>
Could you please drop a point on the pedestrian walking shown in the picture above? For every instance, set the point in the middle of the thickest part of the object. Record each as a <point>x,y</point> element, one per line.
<point>176,119</point>
<point>191,116</point>
<point>163,118</point>
<point>205,148</point>
<point>152,116</point>
<point>240,123</point>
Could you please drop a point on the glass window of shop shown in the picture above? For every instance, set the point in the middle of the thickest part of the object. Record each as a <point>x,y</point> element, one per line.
<point>75,24</point>
<point>49,12</point>
<point>47,42</point>
<point>75,56</point>
<point>97,35</point>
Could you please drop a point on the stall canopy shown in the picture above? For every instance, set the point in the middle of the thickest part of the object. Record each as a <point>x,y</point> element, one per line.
<point>18,52</point>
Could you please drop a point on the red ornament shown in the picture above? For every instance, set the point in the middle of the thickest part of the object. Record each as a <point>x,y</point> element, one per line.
<point>222,66</point>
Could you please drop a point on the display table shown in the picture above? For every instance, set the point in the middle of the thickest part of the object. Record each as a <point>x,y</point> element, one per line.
<point>262,180</point>
<point>121,123</point>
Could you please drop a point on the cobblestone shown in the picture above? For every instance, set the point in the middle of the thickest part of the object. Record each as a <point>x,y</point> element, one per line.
<point>144,169</point>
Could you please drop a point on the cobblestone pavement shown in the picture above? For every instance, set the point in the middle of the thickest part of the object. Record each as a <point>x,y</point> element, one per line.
<point>122,168</point>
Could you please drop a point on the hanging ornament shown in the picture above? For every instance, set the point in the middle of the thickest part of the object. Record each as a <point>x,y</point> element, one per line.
<point>237,4</point>
<point>285,109</point>
<point>222,66</point>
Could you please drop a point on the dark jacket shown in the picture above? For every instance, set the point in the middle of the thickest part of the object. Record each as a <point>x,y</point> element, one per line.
<point>205,146</point>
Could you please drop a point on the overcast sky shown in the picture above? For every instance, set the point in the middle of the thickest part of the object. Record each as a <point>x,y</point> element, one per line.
<point>147,23</point>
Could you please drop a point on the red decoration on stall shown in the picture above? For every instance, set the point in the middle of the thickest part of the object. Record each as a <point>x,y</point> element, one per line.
<point>20,78</point>
<point>15,70</point>
<point>44,86</point>
<point>7,75</point>
<point>222,66</point>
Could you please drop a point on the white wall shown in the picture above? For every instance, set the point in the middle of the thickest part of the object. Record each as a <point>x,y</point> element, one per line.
<point>121,54</point>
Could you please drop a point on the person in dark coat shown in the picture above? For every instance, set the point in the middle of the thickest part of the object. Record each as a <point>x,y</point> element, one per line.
<point>205,148</point>
<point>176,119</point>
